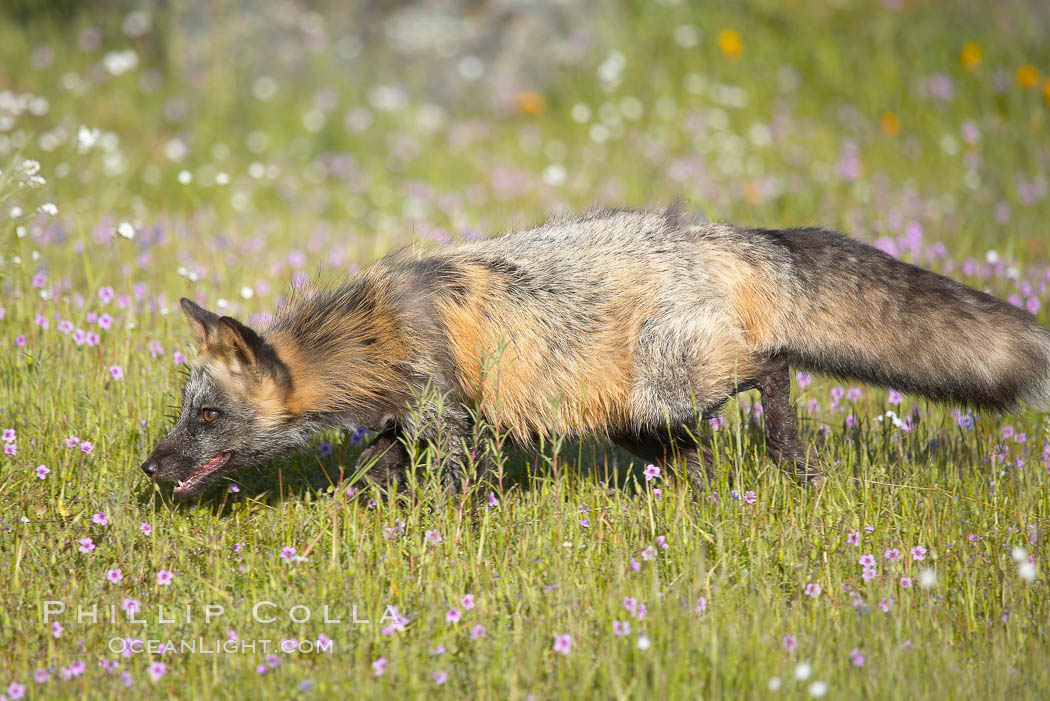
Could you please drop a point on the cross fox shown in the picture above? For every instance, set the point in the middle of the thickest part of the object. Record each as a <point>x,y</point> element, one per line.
<point>629,325</point>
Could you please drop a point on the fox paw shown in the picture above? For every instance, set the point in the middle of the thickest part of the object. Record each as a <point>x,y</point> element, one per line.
<point>384,460</point>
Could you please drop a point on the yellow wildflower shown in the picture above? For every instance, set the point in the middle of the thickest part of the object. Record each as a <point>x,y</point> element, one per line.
<point>891,124</point>
<point>530,102</point>
<point>729,42</point>
<point>970,56</point>
<point>1027,76</point>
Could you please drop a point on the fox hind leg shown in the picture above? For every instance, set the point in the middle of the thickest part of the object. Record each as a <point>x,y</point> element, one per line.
<point>782,441</point>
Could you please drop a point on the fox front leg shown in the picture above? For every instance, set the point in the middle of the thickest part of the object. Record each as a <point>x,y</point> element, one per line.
<point>444,432</point>
<point>385,459</point>
<point>666,451</point>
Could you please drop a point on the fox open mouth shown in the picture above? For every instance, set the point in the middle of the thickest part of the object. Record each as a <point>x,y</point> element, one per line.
<point>201,474</point>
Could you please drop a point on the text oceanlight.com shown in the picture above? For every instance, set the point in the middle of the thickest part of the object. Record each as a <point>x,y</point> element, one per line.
<point>200,646</point>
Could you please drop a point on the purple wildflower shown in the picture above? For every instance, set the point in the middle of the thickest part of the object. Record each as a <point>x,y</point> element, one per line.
<point>157,670</point>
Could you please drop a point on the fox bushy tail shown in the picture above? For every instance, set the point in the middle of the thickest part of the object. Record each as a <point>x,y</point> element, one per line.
<point>857,312</point>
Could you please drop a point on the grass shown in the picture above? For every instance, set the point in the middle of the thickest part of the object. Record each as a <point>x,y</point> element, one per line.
<point>851,115</point>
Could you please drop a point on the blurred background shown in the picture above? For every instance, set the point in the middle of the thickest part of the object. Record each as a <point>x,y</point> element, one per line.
<point>254,141</point>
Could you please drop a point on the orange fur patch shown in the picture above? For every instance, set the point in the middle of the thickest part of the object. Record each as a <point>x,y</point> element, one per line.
<point>351,373</point>
<point>508,367</point>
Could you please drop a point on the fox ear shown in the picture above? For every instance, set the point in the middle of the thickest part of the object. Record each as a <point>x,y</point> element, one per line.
<point>238,344</point>
<point>245,352</point>
<point>201,321</point>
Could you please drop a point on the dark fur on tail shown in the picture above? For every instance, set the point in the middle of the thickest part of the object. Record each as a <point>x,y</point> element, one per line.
<point>858,312</point>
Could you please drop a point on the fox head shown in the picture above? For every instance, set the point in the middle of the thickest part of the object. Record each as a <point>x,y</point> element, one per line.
<point>234,408</point>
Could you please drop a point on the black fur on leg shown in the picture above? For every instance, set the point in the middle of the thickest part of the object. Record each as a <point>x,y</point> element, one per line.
<point>445,430</point>
<point>666,451</point>
<point>782,441</point>
<point>385,458</point>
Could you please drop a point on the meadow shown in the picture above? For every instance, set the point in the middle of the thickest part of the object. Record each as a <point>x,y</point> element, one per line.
<point>231,152</point>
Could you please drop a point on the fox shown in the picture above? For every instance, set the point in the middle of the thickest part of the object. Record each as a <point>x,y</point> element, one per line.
<point>627,325</point>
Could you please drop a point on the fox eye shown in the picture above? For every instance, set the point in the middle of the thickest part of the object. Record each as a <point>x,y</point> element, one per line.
<point>209,415</point>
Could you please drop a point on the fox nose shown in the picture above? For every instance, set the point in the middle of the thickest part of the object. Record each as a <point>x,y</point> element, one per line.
<point>149,467</point>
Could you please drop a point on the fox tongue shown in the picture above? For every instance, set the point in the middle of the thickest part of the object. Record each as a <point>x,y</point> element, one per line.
<point>210,464</point>
<point>214,460</point>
